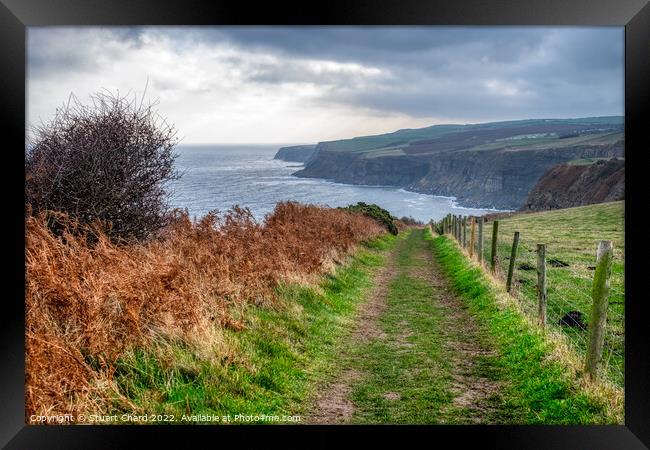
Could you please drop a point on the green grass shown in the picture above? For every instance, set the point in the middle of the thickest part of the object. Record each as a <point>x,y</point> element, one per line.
<point>419,373</point>
<point>272,366</point>
<point>571,236</point>
<point>411,361</point>
<point>538,389</point>
<point>287,351</point>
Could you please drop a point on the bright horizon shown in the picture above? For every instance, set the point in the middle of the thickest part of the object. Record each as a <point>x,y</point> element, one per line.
<point>385,132</point>
<point>303,85</point>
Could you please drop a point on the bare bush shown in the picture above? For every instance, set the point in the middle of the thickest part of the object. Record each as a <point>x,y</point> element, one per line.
<point>105,162</point>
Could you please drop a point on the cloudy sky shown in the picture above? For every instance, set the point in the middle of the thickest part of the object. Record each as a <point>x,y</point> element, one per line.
<point>309,84</point>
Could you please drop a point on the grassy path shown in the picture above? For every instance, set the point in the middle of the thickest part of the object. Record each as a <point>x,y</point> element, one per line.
<point>407,330</point>
<point>415,356</point>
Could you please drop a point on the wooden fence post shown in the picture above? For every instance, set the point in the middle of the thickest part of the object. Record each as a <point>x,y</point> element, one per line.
<point>465,232</point>
<point>493,256</point>
<point>472,236</point>
<point>513,256</point>
<point>541,283</point>
<point>480,239</point>
<point>452,230</point>
<point>458,229</point>
<point>598,318</point>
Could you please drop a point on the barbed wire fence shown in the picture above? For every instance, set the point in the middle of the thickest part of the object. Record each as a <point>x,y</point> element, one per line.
<point>586,308</point>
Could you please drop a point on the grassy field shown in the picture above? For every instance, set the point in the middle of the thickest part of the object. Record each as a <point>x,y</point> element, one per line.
<point>585,161</point>
<point>540,386</point>
<point>276,360</point>
<point>571,237</point>
<point>391,143</point>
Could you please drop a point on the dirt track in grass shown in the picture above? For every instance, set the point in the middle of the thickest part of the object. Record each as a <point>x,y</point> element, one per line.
<point>415,354</point>
<point>333,405</point>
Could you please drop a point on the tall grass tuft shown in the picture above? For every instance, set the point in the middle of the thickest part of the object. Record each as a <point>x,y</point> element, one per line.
<point>88,302</point>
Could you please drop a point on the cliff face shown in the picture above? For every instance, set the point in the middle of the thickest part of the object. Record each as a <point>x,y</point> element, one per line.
<point>349,168</point>
<point>482,165</point>
<point>297,153</point>
<point>565,185</point>
<point>500,179</point>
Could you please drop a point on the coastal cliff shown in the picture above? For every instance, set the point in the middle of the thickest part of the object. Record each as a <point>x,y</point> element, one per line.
<point>569,185</point>
<point>487,165</point>
<point>296,153</point>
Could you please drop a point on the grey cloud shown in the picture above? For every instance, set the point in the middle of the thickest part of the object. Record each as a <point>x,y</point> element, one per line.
<point>375,44</point>
<point>52,50</point>
<point>560,67</point>
<point>427,71</point>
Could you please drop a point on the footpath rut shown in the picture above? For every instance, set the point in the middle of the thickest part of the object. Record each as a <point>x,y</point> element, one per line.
<point>333,404</point>
<point>415,355</point>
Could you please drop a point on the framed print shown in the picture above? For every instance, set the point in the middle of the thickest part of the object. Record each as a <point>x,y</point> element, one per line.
<point>409,214</point>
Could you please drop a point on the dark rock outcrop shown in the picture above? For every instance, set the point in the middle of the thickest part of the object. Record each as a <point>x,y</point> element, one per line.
<point>296,153</point>
<point>566,185</point>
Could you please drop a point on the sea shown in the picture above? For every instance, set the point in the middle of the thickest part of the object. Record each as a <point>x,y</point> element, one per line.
<point>218,176</point>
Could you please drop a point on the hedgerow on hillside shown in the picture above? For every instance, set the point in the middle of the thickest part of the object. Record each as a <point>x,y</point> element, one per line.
<point>377,213</point>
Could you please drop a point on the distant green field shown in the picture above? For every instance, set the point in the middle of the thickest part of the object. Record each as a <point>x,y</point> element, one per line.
<point>395,139</point>
<point>517,138</point>
<point>547,142</point>
<point>590,139</point>
<point>585,161</point>
<point>389,151</point>
<point>571,237</point>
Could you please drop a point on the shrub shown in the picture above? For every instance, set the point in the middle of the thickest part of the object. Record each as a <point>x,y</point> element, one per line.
<point>411,221</point>
<point>106,162</point>
<point>377,213</point>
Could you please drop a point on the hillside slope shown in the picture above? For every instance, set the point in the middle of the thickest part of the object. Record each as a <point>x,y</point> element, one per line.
<point>482,165</point>
<point>568,185</point>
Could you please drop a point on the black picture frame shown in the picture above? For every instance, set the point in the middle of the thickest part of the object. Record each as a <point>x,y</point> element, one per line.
<point>16,15</point>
